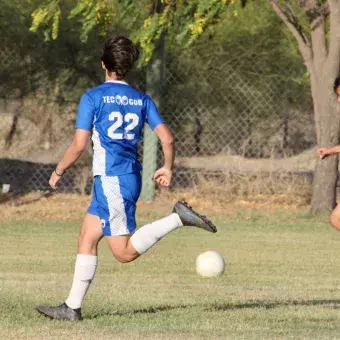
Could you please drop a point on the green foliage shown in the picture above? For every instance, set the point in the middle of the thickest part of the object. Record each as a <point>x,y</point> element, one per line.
<point>47,16</point>
<point>261,40</point>
<point>30,64</point>
<point>248,66</point>
<point>145,20</point>
<point>94,13</point>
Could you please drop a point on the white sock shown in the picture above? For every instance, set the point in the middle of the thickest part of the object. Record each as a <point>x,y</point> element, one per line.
<point>84,272</point>
<point>145,237</point>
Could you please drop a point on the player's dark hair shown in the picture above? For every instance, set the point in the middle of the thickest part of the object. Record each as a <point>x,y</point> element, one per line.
<point>336,83</point>
<point>119,55</point>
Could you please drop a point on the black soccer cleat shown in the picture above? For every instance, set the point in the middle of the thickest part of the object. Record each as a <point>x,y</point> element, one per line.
<point>189,217</point>
<point>62,312</point>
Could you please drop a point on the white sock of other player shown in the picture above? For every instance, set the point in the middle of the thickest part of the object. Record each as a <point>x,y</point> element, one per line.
<point>145,237</point>
<point>84,272</point>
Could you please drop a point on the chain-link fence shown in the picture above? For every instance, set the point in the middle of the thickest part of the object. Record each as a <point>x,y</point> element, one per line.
<point>233,107</point>
<point>224,109</point>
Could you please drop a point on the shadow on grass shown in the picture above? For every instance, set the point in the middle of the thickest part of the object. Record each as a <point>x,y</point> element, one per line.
<point>334,304</point>
<point>150,310</point>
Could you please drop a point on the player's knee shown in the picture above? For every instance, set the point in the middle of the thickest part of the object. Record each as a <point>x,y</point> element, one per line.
<point>334,220</point>
<point>124,257</point>
<point>86,242</point>
<point>82,238</point>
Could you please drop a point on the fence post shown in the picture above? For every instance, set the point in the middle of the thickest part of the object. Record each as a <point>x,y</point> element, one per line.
<point>154,79</point>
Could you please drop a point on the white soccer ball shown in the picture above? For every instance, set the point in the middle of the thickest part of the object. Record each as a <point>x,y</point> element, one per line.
<point>210,264</point>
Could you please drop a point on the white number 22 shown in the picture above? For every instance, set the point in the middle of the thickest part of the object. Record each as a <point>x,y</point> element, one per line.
<point>131,118</point>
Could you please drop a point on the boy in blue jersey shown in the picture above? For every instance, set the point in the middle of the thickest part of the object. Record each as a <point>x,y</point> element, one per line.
<point>114,114</point>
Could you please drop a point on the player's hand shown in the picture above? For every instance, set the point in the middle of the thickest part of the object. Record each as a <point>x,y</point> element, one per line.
<point>163,177</point>
<point>54,180</point>
<point>323,153</point>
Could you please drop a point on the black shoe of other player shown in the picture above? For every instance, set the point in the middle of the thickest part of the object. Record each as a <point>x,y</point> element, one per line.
<point>62,312</point>
<point>191,218</point>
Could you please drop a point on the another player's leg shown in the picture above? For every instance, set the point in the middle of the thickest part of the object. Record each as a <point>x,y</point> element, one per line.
<point>85,269</point>
<point>335,218</point>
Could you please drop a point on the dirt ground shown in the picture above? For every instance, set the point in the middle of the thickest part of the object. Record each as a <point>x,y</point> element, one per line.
<point>40,206</point>
<point>302,163</point>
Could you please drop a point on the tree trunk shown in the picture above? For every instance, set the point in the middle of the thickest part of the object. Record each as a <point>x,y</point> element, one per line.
<point>324,185</point>
<point>320,50</point>
<point>326,173</point>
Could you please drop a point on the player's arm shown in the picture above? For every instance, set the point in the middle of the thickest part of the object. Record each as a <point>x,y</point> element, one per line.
<point>83,129</point>
<point>325,152</point>
<point>73,152</point>
<point>163,175</point>
<point>168,145</point>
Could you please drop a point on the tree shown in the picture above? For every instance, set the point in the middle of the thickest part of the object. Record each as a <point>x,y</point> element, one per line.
<point>308,20</point>
<point>185,20</point>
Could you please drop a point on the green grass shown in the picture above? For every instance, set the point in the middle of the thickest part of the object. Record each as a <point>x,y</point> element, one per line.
<point>281,282</point>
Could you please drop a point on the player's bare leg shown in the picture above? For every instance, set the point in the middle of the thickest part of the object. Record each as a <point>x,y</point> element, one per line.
<point>127,249</point>
<point>85,269</point>
<point>121,248</point>
<point>335,218</point>
<point>90,235</point>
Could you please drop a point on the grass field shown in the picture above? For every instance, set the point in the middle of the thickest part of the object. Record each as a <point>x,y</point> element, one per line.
<point>282,282</point>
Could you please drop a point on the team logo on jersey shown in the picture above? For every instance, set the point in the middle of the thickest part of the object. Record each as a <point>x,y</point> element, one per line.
<point>122,100</point>
<point>119,100</point>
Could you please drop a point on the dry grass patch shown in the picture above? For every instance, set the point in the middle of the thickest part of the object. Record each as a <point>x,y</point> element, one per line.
<point>229,193</point>
<point>35,207</point>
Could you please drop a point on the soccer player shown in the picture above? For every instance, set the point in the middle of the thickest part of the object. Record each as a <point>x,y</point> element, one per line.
<point>115,113</point>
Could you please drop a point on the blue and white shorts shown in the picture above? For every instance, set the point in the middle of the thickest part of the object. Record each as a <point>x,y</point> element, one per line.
<point>114,202</point>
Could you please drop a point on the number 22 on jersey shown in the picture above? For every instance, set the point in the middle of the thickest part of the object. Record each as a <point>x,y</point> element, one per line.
<point>119,119</point>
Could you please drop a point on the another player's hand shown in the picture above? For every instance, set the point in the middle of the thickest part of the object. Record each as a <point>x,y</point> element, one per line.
<point>54,180</point>
<point>163,177</point>
<point>323,152</point>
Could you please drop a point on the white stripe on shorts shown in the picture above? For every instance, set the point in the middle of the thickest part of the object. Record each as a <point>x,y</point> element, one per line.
<point>117,219</point>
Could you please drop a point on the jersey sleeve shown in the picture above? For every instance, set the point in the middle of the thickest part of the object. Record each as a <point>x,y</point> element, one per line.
<point>85,113</point>
<point>153,117</point>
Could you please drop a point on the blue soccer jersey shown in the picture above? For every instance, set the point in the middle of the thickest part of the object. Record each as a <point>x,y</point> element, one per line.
<point>115,113</point>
